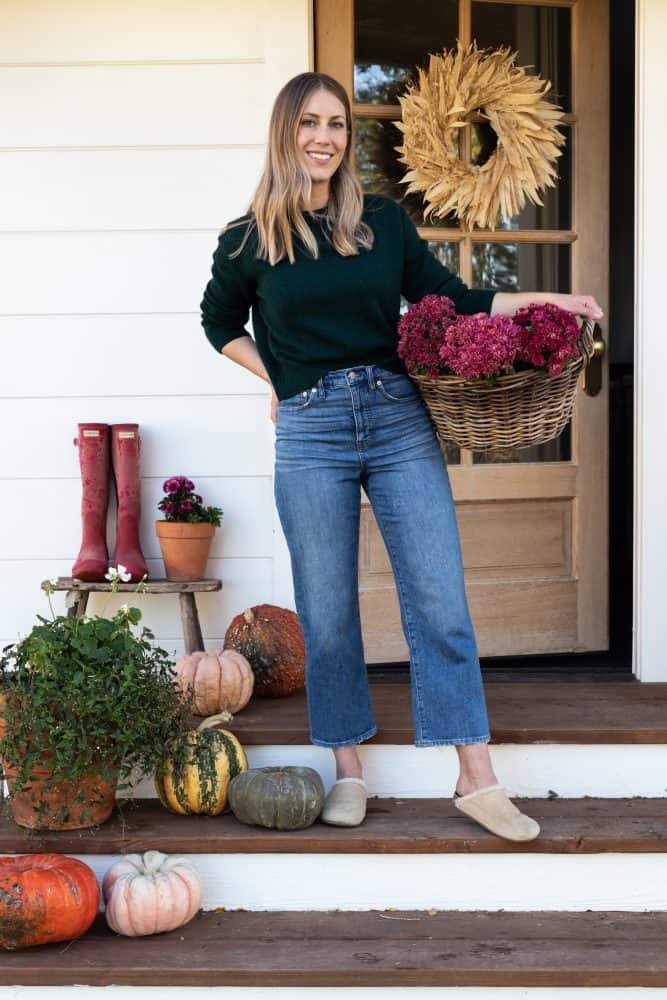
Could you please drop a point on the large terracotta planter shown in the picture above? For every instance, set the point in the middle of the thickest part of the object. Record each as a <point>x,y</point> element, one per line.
<point>185,548</point>
<point>63,805</point>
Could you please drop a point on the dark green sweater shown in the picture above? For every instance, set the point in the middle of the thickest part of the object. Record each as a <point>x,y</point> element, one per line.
<point>314,316</point>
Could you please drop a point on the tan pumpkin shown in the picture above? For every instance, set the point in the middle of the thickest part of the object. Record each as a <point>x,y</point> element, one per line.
<point>151,893</point>
<point>221,681</point>
<point>271,639</point>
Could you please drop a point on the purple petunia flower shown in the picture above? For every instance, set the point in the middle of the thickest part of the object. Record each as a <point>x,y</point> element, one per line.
<point>171,508</point>
<point>186,506</point>
<point>173,484</point>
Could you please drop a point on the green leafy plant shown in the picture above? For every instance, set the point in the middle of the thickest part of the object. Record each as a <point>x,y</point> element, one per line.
<point>90,693</point>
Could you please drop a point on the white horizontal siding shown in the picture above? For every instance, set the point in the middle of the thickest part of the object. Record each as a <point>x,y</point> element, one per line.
<point>127,189</point>
<point>194,436</point>
<point>247,504</point>
<point>246,582</point>
<point>91,272</point>
<point>81,31</point>
<point>170,356</point>
<point>181,105</point>
<point>131,131</point>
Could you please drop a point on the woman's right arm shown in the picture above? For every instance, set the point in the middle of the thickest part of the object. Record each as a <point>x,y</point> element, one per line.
<point>225,310</point>
<point>243,350</point>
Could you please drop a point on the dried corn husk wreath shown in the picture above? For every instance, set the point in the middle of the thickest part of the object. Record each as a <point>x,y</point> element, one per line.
<point>458,84</point>
<point>512,411</point>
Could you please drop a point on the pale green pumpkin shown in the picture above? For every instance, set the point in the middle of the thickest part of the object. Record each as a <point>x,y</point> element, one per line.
<point>280,798</point>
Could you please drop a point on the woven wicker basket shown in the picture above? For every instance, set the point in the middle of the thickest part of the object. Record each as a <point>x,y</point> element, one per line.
<point>517,411</point>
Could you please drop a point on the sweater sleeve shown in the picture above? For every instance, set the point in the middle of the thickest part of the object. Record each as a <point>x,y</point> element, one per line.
<point>423,274</point>
<point>228,297</point>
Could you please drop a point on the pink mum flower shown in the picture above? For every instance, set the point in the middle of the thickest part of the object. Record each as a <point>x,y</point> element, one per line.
<point>480,346</point>
<point>549,337</point>
<point>421,332</point>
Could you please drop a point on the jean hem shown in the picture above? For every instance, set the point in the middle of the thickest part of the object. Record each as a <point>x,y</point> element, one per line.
<point>345,743</point>
<point>462,741</point>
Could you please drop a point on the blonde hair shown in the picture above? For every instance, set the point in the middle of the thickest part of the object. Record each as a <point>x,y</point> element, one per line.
<point>276,209</point>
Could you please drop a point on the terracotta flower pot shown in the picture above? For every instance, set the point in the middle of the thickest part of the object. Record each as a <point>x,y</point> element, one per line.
<point>185,548</point>
<point>63,805</point>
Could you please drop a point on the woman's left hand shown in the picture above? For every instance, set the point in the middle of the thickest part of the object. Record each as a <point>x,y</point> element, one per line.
<point>580,305</point>
<point>507,303</point>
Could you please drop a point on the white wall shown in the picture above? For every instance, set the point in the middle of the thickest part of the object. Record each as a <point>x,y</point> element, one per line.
<point>130,132</point>
<point>651,350</point>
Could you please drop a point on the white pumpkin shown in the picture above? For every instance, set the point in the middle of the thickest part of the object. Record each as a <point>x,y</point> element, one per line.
<point>150,894</point>
<point>222,681</point>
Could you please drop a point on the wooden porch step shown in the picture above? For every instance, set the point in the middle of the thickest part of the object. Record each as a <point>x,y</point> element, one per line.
<point>392,826</point>
<point>520,712</point>
<point>376,948</point>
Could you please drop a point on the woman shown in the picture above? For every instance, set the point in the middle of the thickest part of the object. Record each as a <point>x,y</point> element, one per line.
<point>323,266</point>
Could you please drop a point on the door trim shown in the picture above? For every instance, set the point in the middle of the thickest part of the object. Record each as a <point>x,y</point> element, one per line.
<point>650,470</point>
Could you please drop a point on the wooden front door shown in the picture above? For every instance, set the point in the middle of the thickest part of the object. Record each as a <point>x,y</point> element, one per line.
<point>533,522</point>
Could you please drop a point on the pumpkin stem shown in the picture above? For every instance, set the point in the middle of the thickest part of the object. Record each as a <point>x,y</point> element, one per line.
<point>213,720</point>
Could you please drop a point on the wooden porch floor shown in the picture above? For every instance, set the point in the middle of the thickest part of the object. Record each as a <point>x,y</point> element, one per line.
<point>376,948</point>
<point>519,712</point>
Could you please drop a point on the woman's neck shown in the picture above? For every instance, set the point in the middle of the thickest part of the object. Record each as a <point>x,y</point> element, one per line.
<point>319,196</point>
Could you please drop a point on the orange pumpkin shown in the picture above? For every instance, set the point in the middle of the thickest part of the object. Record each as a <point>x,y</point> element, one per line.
<point>45,898</point>
<point>271,640</point>
<point>221,681</point>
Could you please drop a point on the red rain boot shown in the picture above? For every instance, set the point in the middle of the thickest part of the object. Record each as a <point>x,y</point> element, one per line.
<point>92,561</point>
<point>125,448</point>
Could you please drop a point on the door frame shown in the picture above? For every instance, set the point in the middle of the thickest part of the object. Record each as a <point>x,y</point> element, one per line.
<point>649,663</point>
<point>580,481</point>
<point>650,464</point>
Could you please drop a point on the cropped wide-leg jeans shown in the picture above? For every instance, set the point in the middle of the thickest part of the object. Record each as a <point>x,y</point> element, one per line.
<point>365,426</point>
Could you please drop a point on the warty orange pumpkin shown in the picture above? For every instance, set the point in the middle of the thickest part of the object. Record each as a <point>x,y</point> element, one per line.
<point>272,641</point>
<point>45,898</point>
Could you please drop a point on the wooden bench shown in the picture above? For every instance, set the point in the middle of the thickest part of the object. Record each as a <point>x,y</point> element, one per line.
<point>78,591</point>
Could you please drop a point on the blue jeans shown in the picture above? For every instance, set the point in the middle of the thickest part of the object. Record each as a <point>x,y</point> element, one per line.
<point>367,426</point>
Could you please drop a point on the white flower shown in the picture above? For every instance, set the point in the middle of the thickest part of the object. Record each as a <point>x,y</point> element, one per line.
<point>125,608</point>
<point>118,573</point>
<point>54,581</point>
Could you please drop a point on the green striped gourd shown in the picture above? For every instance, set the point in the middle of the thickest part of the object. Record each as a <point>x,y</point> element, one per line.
<point>196,777</point>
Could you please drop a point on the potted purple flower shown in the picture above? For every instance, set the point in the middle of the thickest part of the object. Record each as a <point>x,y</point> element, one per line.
<point>186,533</point>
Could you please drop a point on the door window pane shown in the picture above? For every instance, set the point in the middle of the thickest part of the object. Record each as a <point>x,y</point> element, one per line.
<point>521,267</point>
<point>392,38</point>
<point>541,35</point>
<point>555,212</point>
<point>380,171</point>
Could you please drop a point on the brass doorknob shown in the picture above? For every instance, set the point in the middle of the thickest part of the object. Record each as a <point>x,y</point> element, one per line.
<point>593,370</point>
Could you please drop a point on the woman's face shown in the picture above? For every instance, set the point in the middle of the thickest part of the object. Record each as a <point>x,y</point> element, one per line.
<point>322,136</point>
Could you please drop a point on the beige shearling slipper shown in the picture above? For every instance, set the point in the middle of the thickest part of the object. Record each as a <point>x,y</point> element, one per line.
<point>345,805</point>
<point>492,809</point>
